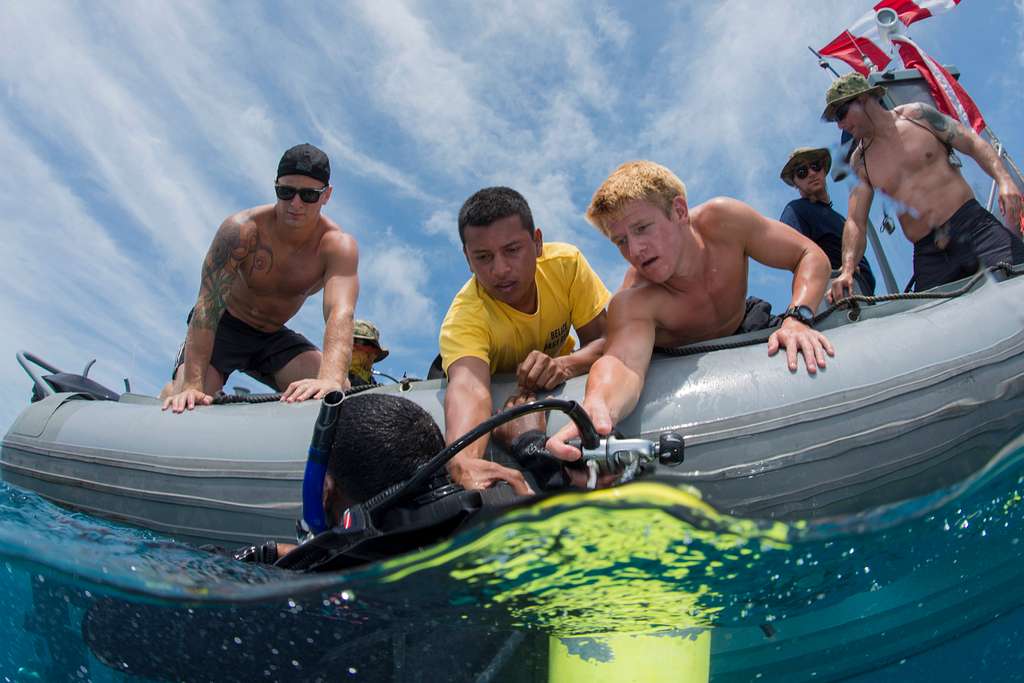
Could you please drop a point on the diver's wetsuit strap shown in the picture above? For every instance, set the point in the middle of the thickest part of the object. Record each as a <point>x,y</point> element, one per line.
<point>528,450</point>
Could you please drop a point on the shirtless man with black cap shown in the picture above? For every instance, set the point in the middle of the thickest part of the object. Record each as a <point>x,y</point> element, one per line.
<point>263,264</point>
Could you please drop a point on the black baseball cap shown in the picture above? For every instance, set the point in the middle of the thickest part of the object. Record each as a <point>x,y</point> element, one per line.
<point>307,160</point>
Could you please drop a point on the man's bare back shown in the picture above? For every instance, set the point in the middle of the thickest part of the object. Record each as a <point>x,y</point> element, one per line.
<point>908,162</point>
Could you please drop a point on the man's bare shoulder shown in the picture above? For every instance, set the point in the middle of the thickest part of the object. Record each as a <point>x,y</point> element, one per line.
<point>641,299</point>
<point>336,242</point>
<point>944,127</point>
<point>717,210</point>
<point>858,165</point>
<point>723,219</point>
<point>248,220</point>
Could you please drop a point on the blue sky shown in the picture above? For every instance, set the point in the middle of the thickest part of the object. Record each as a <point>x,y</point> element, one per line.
<point>131,130</point>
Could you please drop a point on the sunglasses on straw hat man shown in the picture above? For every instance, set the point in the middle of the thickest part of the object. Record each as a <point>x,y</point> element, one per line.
<point>804,159</point>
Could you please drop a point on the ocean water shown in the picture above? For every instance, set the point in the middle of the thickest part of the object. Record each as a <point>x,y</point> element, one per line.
<point>929,589</point>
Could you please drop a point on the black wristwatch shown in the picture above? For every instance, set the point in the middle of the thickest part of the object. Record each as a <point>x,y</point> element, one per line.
<point>802,313</point>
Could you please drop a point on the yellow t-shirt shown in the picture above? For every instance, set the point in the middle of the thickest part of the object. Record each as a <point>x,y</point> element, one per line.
<point>569,294</point>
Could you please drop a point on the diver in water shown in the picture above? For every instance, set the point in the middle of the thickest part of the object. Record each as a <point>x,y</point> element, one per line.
<point>376,484</point>
<point>906,153</point>
<point>379,439</point>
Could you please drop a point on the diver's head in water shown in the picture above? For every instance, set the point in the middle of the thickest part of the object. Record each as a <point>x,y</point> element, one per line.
<point>380,439</point>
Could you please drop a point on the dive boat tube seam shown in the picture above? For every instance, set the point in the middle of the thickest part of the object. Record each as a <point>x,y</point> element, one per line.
<point>851,486</point>
<point>92,455</point>
<point>829,404</point>
<point>149,495</point>
<point>893,429</point>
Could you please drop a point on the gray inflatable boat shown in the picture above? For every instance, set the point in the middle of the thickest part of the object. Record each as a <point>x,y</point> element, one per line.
<point>923,391</point>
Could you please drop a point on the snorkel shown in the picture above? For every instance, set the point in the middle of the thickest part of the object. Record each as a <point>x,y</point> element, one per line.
<point>314,521</point>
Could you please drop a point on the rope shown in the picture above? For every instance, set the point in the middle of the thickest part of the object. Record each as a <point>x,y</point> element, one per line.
<point>851,302</point>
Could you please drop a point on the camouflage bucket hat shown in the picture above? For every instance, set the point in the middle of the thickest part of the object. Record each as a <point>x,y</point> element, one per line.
<point>804,155</point>
<point>846,88</point>
<point>366,332</point>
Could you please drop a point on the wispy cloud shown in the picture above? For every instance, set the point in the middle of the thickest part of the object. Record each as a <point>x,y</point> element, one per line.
<point>132,129</point>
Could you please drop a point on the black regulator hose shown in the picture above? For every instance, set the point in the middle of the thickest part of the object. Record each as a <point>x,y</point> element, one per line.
<point>588,437</point>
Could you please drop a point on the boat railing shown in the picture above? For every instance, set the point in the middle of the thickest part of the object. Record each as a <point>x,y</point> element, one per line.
<point>41,385</point>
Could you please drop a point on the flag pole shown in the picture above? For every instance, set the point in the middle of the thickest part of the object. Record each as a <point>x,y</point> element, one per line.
<point>821,61</point>
<point>864,58</point>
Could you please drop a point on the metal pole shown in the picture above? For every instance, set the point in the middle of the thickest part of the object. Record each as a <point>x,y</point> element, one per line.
<point>821,61</point>
<point>883,262</point>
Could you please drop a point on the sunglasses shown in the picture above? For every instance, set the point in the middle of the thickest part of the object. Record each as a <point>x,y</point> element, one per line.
<point>309,195</point>
<point>842,111</point>
<point>802,172</point>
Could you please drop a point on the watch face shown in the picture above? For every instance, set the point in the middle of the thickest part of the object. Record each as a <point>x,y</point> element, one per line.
<point>804,314</point>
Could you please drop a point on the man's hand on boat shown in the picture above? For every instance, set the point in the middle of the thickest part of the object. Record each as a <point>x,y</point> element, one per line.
<point>795,336</point>
<point>840,287</point>
<point>187,399</point>
<point>316,388</point>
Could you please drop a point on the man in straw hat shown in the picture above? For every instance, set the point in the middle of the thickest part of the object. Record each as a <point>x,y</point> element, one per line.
<point>366,350</point>
<point>687,282</point>
<point>812,214</point>
<point>905,153</point>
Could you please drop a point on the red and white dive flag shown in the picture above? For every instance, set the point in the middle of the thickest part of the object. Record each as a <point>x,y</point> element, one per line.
<point>863,41</point>
<point>950,98</point>
<point>860,46</point>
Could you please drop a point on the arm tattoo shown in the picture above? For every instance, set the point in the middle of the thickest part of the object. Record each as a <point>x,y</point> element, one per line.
<point>942,124</point>
<point>219,270</point>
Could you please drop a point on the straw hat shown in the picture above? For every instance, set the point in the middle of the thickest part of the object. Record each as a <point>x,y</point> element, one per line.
<point>803,155</point>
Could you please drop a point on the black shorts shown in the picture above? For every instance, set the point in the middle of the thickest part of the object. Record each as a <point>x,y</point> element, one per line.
<point>259,354</point>
<point>758,316</point>
<point>971,239</point>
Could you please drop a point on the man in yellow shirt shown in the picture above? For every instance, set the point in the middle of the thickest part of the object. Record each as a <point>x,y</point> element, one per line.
<point>513,315</point>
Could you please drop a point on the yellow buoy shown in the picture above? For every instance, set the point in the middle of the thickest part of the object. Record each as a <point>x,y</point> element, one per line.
<point>678,657</point>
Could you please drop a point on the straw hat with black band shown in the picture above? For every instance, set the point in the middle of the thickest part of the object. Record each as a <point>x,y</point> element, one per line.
<point>801,156</point>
